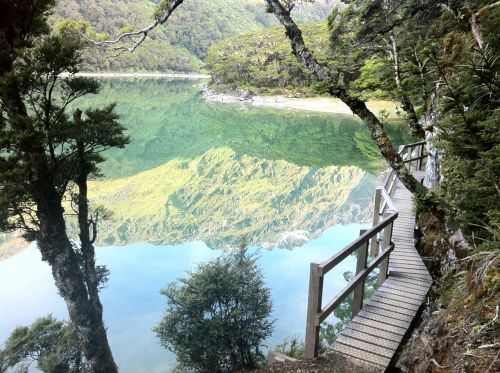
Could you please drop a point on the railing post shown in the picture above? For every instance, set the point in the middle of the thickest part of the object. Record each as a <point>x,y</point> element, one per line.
<point>409,156</point>
<point>357,300</point>
<point>313,310</point>
<point>384,266</point>
<point>420,157</point>
<point>376,216</point>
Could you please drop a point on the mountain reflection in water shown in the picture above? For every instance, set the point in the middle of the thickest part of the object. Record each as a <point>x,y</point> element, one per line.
<point>197,178</point>
<point>221,173</point>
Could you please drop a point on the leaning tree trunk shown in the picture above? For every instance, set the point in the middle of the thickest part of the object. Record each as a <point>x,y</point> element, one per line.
<point>86,241</point>
<point>54,244</point>
<point>58,251</point>
<point>358,107</point>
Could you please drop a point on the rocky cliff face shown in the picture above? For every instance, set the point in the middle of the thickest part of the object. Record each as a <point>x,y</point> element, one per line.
<point>222,197</point>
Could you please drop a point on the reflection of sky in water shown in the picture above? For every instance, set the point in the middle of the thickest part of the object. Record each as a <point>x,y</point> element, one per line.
<point>133,305</point>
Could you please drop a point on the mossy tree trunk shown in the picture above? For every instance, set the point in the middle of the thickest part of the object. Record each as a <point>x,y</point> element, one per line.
<point>337,89</point>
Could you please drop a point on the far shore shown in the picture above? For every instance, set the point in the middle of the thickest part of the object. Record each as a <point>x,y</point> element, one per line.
<point>139,75</point>
<point>319,104</point>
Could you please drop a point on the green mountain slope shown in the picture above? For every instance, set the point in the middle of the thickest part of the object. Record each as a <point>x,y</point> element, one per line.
<point>183,43</point>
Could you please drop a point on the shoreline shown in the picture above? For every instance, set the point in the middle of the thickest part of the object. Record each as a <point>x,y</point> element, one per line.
<point>318,104</point>
<point>138,75</point>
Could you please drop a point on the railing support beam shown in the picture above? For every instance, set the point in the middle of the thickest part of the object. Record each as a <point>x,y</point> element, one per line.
<point>313,309</point>
<point>376,217</point>
<point>359,291</point>
<point>384,266</point>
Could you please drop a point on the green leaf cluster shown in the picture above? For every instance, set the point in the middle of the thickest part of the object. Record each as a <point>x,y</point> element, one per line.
<point>470,136</point>
<point>263,60</point>
<point>52,344</point>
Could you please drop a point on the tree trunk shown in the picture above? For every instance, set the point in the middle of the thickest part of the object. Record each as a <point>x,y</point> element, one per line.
<point>58,251</point>
<point>432,167</point>
<point>380,138</point>
<point>474,26</point>
<point>357,106</point>
<point>86,242</point>
<point>406,103</point>
<point>55,246</point>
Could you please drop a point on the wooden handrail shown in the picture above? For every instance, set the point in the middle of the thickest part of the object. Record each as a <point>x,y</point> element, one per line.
<point>384,215</point>
<point>327,265</point>
<point>361,276</point>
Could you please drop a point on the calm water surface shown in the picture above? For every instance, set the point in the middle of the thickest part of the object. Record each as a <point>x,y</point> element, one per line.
<point>195,180</point>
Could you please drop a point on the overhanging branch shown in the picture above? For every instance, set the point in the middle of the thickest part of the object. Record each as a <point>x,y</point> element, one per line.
<point>129,36</point>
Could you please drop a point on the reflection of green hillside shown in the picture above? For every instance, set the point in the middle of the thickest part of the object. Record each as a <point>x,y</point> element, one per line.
<point>169,119</point>
<point>221,196</point>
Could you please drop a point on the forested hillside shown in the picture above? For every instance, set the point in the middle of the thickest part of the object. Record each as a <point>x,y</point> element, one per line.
<point>181,45</point>
<point>262,61</point>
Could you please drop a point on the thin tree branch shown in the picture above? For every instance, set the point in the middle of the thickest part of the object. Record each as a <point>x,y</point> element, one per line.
<point>143,33</point>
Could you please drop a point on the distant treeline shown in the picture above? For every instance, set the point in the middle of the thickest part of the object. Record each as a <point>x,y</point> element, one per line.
<point>263,61</point>
<point>183,43</point>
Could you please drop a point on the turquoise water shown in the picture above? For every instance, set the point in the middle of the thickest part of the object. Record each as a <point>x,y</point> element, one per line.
<point>133,304</point>
<point>196,179</point>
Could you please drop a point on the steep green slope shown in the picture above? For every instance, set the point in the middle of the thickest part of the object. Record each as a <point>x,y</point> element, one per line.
<point>221,197</point>
<point>263,60</point>
<point>182,44</point>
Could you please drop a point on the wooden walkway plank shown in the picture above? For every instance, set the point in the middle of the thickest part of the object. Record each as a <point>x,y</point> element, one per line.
<point>375,333</point>
<point>361,355</point>
<point>380,325</point>
<point>396,286</point>
<point>372,339</point>
<point>370,330</point>
<point>366,346</point>
<point>384,312</point>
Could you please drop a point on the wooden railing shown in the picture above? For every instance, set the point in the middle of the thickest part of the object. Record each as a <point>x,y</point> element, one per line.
<point>384,215</point>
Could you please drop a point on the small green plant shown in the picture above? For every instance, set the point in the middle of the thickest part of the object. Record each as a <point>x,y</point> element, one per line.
<point>292,347</point>
<point>218,317</point>
<point>52,344</point>
<point>430,202</point>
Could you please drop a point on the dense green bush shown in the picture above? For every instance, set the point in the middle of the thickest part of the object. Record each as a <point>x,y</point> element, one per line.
<point>52,344</point>
<point>217,319</point>
<point>470,139</point>
<point>263,60</point>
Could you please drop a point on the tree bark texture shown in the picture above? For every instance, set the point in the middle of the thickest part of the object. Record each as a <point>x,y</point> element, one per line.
<point>357,106</point>
<point>86,242</point>
<point>432,167</point>
<point>55,246</point>
<point>406,103</point>
<point>58,251</point>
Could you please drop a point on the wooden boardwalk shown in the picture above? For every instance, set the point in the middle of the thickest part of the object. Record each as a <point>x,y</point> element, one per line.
<point>372,338</point>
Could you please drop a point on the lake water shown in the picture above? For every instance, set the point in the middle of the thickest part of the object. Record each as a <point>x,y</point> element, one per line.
<point>197,179</point>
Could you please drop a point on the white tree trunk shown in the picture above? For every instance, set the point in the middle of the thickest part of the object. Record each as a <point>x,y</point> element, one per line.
<point>432,168</point>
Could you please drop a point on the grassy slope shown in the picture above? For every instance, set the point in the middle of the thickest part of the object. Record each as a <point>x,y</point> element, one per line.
<point>221,196</point>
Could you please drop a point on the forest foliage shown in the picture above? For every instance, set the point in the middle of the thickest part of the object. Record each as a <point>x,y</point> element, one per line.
<point>218,318</point>
<point>52,344</point>
<point>182,44</point>
<point>262,61</point>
